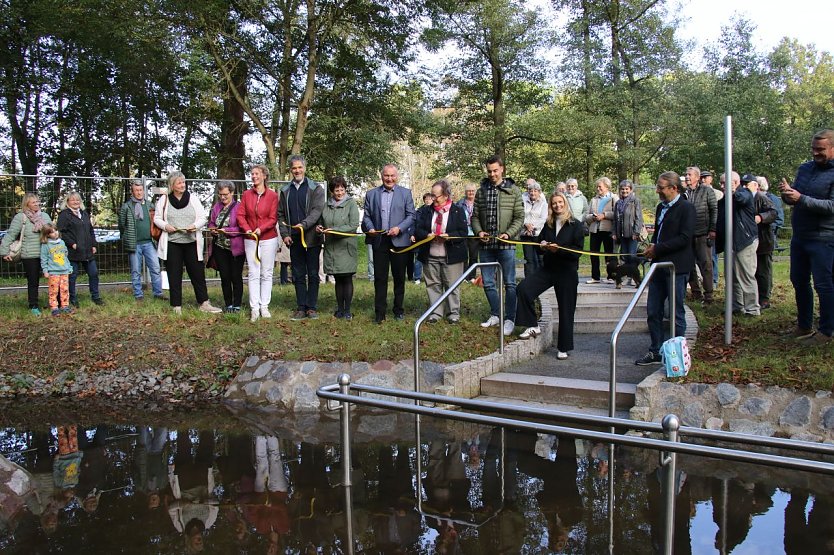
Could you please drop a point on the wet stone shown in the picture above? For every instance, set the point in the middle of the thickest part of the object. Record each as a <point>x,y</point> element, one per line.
<point>828,418</point>
<point>728,394</point>
<point>252,389</point>
<point>756,406</point>
<point>305,399</point>
<point>273,396</point>
<point>798,413</point>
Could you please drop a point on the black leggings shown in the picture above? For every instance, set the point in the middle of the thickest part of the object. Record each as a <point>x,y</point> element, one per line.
<point>185,253</point>
<point>32,267</point>
<point>231,275</point>
<point>344,292</point>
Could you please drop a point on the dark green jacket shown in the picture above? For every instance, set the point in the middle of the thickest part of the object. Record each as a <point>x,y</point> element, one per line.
<point>340,253</point>
<point>510,209</point>
<point>127,224</point>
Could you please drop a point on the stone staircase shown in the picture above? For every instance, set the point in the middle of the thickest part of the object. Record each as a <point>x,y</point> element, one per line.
<point>581,383</point>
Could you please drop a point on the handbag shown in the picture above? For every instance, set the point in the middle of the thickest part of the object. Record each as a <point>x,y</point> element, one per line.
<point>676,358</point>
<point>156,232</point>
<point>16,248</point>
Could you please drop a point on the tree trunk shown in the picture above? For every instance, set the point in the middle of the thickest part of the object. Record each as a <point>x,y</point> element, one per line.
<point>233,128</point>
<point>310,84</point>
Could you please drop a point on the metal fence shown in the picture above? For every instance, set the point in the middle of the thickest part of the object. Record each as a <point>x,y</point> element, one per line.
<point>103,197</point>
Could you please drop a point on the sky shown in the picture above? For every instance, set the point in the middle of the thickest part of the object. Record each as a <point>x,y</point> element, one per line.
<point>808,21</point>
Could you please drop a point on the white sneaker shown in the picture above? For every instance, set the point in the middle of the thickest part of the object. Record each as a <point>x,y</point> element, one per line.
<point>530,333</point>
<point>509,327</point>
<point>254,316</point>
<point>561,355</point>
<point>592,280</point>
<point>210,308</point>
<point>178,310</point>
<point>491,321</point>
<point>265,312</point>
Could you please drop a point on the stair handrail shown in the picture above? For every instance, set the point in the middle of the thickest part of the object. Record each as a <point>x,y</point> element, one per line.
<point>464,277</point>
<point>615,335</point>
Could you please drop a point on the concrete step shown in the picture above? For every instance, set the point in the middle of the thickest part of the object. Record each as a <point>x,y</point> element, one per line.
<point>537,405</point>
<point>565,391</point>
<point>607,325</point>
<point>605,311</point>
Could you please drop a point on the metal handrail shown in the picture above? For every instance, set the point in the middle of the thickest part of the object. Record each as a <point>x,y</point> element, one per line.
<point>439,301</point>
<point>612,393</point>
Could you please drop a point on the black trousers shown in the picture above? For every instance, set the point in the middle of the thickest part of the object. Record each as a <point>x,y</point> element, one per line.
<point>383,260</point>
<point>185,253</point>
<point>305,275</point>
<point>603,239</point>
<point>473,246</point>
<point>565,284</point>
<point>32,268</point>
<point>231,275</point>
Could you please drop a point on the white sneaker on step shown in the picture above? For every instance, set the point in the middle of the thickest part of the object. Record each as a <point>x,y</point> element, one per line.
<point>491,321</point>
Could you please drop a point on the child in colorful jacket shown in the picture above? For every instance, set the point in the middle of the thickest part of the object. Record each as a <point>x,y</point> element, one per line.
<point>56,268</point>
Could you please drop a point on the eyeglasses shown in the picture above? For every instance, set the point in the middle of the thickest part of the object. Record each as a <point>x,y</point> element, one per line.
<point>224,195</point>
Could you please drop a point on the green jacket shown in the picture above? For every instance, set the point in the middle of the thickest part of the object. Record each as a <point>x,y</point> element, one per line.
<point>31,238</point>
<point>510,209</point>
<point>340,253</point>
<point>127,224</point>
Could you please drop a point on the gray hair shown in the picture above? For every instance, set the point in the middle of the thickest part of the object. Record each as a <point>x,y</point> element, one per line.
<point>605,181</point>
<point>445,187</point>
<point>225,185</point>
<point>571,181</point>
<point>762,181</point>
<point>470,187</point>
<point>533,184</point>
<point>389,165</point>
<point>71,195</point>
<point>626,183</point>
<point>297,158</point>
<point>137,183</point>
<point>173,177</point>
<point>825,134</point>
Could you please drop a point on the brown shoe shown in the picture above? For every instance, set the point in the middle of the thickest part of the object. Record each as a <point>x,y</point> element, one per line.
<point>800,333</point>
<point>817,338</point>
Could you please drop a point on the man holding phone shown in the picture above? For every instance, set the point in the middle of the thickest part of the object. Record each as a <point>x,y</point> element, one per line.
<point>812,244</point>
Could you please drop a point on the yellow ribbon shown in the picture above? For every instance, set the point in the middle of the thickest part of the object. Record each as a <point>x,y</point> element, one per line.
<point>251,235</point>
<point>510,242</point>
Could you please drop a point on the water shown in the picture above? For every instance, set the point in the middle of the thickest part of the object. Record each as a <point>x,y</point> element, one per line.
<point>257,483</point>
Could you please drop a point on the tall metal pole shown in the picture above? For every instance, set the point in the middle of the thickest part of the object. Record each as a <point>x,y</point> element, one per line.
<point>728,230</point>
<point>344,389</point>
<point>670,424</point>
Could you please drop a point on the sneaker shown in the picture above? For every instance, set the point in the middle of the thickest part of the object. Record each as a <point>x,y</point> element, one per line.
<point>338,314</point>
<point>491,321</point>
<point>178,310</point>
<point>67,310</point>
<point>818,338</point>
<point>347,316</point>
<point>454,320</point>
<point>139,299</point>
<point>416,282</point>
<point>312,314</point>
<point>265,312</point>
<point>649,359</point>
<point>509,327</point>
<point>561,355</point>
<point>433,319</point>
<point>160,297</point>
<point>231,309</point>
<point>530,333</point>
<point>210,308</point>
<point>298,315</point>
<point>56,311</point>
<point>618,286</point>
<point>35,311</point>
<point>98,301</point>
<point>592,280</point>
<point>74,304</point>
<point>800,333</point>
<point>256,314</point>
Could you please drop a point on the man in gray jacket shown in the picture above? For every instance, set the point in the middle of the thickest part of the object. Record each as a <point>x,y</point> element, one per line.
<point>706,213</point>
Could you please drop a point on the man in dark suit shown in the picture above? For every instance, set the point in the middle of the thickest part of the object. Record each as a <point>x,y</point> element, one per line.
<point>674,231</point>
<point>388,222</point>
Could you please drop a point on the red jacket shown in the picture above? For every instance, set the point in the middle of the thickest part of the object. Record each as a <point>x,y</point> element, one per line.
<point>263,213</point>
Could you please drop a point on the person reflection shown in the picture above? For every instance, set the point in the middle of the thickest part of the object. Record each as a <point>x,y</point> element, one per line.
<point>314,501</point>
<point>797,541</point>
<point>447,488</point>
<point>151,462</point>
<point>684,510</point>
<point>821,525</point>
<point>264,505</point>
<point>94,468</point>
<point>735,516</point>
<point>191,504</point>
<point>396,522</point>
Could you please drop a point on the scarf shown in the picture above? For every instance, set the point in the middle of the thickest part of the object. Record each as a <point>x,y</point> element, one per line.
<point>76,212</point>
<point>438,225</point>
<point>181,203</point>
<point>337,203</point>
<point>36,218</point>
<point>138,213</point>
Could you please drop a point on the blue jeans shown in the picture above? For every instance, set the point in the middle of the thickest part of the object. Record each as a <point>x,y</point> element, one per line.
<point>418,270</point>
<point>506,258</point>
<point>145,251</point>
<point>628,248</point>
<point>92,274</point>
<point>813,258</point>
<point>658,293</point>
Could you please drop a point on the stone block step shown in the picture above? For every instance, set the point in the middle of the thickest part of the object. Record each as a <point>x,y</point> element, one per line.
<point>565,391</point>
<point>604,311</point>
<point>537,405</point>
<point>606,325</point>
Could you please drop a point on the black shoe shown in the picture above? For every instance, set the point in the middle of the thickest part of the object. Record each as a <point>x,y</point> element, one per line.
<point>75,304</point>
<point>347,316</point>
<point>338,314</point>
<point>160,297</point>
<point>399,316</point>
<point>649,359</point>
<point>98,301</point>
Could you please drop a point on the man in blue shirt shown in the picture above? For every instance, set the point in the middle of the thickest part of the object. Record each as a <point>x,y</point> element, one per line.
<point>812,244</point>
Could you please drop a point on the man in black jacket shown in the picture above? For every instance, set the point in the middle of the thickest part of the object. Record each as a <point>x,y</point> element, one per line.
<point>671,242</point>
<point>702,198</point>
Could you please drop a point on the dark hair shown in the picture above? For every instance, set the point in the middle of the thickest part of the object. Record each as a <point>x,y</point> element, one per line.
<point>427,195</point>
<point>671,178</point>
<point>336,182</point>
<point>494,159</point>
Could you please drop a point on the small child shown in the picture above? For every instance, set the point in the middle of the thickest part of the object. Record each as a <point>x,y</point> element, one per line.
<point>56,268</point>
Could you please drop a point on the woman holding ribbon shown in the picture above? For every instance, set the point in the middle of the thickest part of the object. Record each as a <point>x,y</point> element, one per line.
<point>560,271</point>
<point>444,256</point>
<point>226,246</point>
<point>180,215</point>
<point>258,218</point>
<point>338,222</point>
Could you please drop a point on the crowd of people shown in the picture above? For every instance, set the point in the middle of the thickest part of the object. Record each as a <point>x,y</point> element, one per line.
<point>486,225</point>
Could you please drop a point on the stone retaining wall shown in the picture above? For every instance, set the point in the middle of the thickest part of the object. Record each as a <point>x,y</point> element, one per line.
<point>746,409</point>
<point>291,386</point>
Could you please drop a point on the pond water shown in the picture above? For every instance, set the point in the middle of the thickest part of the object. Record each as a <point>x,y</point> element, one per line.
<point>250,483</point>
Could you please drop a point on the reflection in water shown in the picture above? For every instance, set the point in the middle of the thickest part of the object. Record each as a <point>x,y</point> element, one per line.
<point>112,489</point>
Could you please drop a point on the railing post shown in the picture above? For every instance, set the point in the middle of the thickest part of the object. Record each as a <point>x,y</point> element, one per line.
<point>499,274</point>
<point>668,459</point>
<point>344,389</point>
<point>672,301</point>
